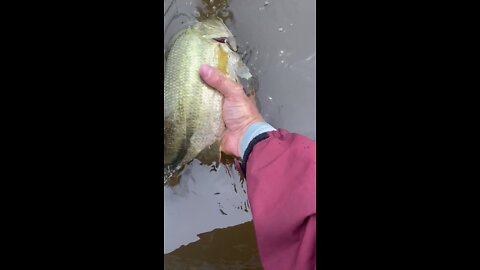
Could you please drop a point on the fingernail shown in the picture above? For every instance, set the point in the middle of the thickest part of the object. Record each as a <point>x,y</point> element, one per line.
<point>205,71</point>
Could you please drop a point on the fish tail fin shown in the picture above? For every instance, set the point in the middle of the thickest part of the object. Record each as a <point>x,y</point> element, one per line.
<point>210,155</point>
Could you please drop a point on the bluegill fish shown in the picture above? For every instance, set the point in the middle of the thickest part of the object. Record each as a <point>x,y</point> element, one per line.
<point>192,110</point>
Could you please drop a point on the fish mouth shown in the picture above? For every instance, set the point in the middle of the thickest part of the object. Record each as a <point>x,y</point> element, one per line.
<point>231,44</point>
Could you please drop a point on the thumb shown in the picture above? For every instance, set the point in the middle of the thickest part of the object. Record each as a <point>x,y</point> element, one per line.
<point>214,78</point>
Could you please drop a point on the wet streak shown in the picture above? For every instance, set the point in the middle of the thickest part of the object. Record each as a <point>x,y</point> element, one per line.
<point>170,5</point>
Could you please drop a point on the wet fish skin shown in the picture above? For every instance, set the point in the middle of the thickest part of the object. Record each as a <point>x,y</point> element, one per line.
<point>192,110</point>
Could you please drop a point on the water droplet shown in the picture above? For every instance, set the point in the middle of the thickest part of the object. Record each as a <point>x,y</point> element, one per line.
<point>283,61</point>
<point>291,24</point>
<point>311,57</point>
<point>261,8</point>
<point>270,98</point>
<point>280,29</point>
<point>266,3</point>
<point>281,53</point>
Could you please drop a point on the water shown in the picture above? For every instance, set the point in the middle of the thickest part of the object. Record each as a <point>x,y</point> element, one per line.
<point>229,248</point>
<point>202,202</point>
<point>207,216</point>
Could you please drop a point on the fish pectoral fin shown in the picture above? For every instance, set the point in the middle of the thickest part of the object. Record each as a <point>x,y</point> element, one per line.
<point>242,70</point>
<point>210,154</point>
<point>245,78</point>
<point>249,86</point>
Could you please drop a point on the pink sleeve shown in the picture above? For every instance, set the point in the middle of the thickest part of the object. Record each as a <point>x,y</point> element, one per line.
<point>281,172</point>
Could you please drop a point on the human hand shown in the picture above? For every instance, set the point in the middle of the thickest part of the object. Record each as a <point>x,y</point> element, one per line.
<point>239,111</point>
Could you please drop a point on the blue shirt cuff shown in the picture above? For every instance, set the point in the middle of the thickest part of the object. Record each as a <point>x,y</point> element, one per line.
<point>253,131</point>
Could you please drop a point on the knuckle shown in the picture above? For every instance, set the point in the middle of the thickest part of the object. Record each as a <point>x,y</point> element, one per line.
<point>237,88</point>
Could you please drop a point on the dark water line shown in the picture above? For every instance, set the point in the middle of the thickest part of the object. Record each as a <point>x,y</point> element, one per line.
<point>229,248</point>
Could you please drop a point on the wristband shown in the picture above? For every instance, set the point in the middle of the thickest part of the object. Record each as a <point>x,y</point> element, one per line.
<point>253,131</point>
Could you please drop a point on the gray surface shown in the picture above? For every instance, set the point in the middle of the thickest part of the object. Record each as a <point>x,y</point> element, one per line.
<point>279,42</point>
<point>286,89</point>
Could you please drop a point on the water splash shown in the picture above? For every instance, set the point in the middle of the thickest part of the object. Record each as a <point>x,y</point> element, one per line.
<point>215,8</point>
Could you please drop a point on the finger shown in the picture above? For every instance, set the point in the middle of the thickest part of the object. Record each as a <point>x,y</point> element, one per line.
<point>217,80</point>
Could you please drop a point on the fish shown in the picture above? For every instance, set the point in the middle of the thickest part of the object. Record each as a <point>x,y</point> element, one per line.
<point>193,123</point>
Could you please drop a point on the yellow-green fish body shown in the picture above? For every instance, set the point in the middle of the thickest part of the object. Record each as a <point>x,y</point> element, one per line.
<point>193,111</point>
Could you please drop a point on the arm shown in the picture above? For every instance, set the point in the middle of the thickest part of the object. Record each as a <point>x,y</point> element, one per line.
<point>280,171</point>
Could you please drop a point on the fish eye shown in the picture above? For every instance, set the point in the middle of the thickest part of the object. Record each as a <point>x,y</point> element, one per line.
<point>221,39</point>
